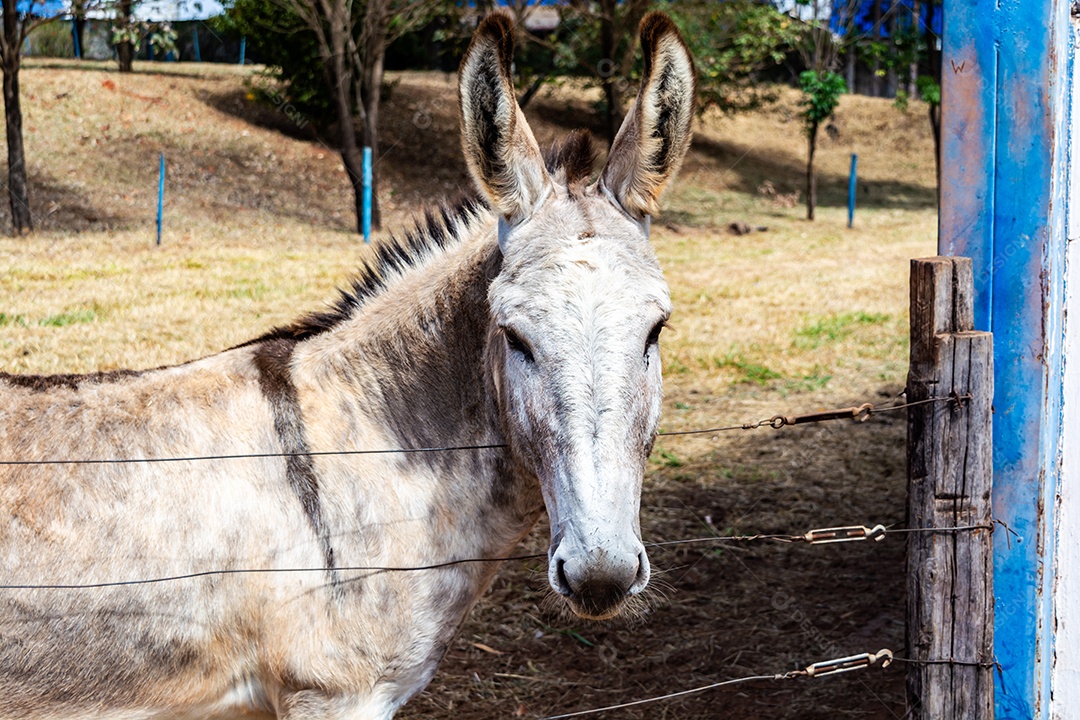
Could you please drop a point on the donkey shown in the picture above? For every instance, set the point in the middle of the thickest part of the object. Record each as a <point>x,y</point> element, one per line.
<point>521,340</point>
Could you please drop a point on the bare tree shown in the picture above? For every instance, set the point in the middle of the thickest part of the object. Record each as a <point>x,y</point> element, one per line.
<point>352,36</point>
<point>17,26</point>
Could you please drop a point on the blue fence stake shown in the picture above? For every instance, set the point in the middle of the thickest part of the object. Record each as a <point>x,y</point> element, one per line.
<point>195,37</point>
<point>160,195</point>
<point>851,191</point>
<point>365,222</point>
<point>243,48</point>
<point>75,38</point>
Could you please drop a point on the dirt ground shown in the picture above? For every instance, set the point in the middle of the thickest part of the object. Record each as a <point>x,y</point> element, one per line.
<point>793,317</point>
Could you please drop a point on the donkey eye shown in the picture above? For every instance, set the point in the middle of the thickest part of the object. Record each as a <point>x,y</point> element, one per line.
<point>654,335</point>
<point>516,344</point>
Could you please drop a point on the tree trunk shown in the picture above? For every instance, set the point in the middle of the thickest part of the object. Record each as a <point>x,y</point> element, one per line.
<point>350,151</point>
<point>933,56</point>
<point>811,176</point>
<point>125,51</point>
<point>875,77</point>
<point>851,69</point>
<point>370,99</point>
<point>608,72</point>
<point>18,196</point>
<point>935,128</point>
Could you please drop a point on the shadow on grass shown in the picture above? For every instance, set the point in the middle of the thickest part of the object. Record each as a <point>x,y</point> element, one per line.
<point>746,168</point>
<point>58,206</point>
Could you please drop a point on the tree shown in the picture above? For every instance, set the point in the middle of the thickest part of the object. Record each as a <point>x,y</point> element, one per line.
<point>17,26</point>
<point>348,41</point>
<point>124,35</point>
<point>820,48</point>
<point>821,91</point>
<point>732,42</point>
<point>128,35</point>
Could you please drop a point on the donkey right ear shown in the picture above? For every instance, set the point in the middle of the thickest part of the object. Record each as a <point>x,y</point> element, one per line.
<point>499,147</point>
<point>656,133</point>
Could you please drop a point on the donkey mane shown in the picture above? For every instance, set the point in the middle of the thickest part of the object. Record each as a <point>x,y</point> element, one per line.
<point>437,230</point>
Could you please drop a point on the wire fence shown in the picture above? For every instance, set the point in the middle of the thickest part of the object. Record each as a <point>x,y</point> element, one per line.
<point>856,413</point>
<point>816,536</point>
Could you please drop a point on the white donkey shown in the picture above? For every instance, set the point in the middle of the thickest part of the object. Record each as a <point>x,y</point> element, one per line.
<point>530,331</point>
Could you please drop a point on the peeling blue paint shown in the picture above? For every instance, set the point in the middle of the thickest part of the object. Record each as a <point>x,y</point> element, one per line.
<point>1004,126</point>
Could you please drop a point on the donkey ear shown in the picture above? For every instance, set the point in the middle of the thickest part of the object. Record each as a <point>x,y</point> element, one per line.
<point>656,133</point>
<point>499,147</point>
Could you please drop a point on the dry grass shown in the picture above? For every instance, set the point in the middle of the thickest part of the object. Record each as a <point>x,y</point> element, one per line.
<point>798,316</point>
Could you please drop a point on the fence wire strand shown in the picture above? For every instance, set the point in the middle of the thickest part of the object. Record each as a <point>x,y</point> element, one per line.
<point>813,537</point>
<point>859,413</point>
<point>815,670</point>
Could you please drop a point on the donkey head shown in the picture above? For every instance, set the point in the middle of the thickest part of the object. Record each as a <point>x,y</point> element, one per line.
<point>578,305</point>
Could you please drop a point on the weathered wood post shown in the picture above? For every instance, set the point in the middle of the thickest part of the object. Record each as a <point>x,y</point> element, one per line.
<point>950,622</point>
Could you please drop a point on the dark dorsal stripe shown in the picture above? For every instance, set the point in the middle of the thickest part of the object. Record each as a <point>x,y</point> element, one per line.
<point>272,359</point>
<point>43,383</point>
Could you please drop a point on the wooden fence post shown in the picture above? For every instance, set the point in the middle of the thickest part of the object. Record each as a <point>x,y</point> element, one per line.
<point>950,622</point>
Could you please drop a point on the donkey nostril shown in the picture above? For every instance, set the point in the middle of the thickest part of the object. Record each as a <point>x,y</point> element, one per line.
<point>560,576</point>
<point>642,577</point>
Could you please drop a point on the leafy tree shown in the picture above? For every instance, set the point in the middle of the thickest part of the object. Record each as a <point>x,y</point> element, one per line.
<point>820,48</point>
<point>821,94</point>
<point>731,43</point>
<point>130,34</point>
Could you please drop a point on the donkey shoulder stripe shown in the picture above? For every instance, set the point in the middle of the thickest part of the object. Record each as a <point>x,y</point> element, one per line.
<point>272,360</point>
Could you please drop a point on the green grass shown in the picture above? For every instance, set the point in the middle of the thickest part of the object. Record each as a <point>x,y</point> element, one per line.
<point>832,328</point>
<point>6,319</point>
<point>69,318</point>
<point>751,372</point>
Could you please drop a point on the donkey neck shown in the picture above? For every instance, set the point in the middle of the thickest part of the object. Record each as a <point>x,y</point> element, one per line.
<point>417,348</point>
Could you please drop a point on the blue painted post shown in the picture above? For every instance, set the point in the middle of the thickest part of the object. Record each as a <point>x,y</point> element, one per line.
<point>851,191</point>
<point>75,38</point>
<point>1004,173</point>
<point>160,195</point>
<point>365,222</point>
<point>195,38</point>
<point>243,48</point>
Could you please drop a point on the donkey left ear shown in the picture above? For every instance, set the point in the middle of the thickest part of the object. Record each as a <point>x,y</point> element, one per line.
<point>500,150</point>
<point>654,137</point>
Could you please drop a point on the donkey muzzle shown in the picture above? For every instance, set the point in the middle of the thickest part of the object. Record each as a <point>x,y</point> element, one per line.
<point>596,582</point>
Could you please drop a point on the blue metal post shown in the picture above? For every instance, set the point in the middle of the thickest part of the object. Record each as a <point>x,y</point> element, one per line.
<point>243,48</point>
<point>365,222</point>
<point>75,38</point>
<point>195,37</point>
<point>160,195</point>
<point>851,191</point>
<point>1004,170</point>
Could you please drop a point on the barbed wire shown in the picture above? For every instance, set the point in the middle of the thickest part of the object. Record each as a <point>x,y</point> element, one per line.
<point>856,413</point>
<point>819,536</point>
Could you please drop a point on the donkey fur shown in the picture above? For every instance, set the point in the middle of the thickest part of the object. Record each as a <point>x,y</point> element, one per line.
<point>542,345</point>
